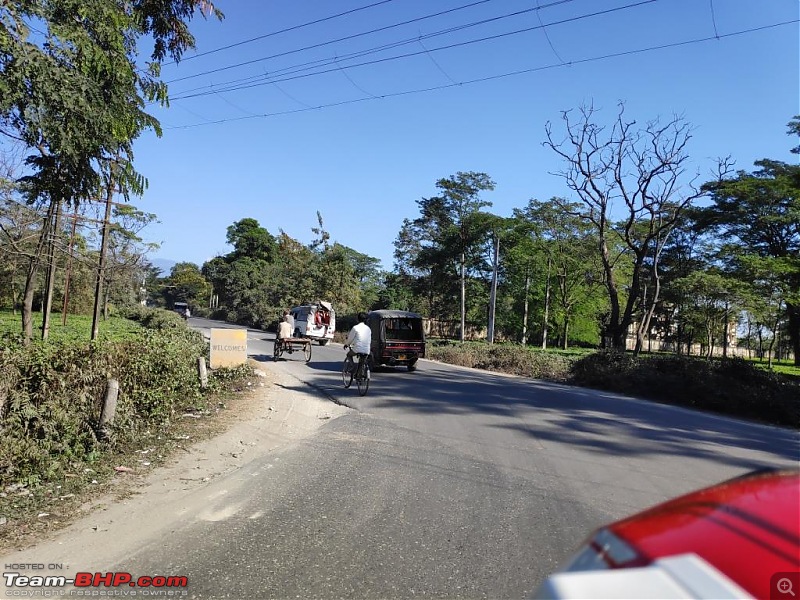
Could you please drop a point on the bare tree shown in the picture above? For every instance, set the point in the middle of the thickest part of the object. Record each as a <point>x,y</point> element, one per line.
<point>639,171</point>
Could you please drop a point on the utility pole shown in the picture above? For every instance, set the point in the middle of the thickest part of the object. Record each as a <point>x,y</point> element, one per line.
<point>525,305</point>
<point>493,295</point>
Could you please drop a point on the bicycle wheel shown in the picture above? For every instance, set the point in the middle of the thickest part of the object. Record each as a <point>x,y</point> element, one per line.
<point>307,351</point>
<point>363,380</point>
<point>276,352</point>
<point>347,373</point>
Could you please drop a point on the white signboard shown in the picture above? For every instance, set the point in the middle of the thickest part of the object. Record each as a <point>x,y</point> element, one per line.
<point>228,347</point>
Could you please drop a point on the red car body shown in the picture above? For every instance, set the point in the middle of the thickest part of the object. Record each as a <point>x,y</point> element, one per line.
<point>746,528</point>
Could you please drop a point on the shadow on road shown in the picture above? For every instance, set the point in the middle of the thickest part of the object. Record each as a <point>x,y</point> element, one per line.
<point>596,420</point>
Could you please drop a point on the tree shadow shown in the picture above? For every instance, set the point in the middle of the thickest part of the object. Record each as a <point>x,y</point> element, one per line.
<point>595,420</point>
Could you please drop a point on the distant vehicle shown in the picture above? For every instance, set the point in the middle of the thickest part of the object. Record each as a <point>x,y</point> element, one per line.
<point>182,308</point>
<point>737,539</point>
<point>397,338</point>
<point>315,321</point>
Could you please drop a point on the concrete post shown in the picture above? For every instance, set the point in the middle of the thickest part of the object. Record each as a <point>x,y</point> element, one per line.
<point>201,370</point>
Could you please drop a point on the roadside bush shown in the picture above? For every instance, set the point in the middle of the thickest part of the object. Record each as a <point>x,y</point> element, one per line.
<point>154,318</point>
<point>730,386</point>
<point>51,395</point>
<point>504,358</point>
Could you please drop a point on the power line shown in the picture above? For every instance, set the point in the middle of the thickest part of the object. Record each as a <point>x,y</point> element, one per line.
<point>500,76</point>
<point>293,28</point>
<point>377,30</point>
<point>714,19</point>
<point>266,80</point>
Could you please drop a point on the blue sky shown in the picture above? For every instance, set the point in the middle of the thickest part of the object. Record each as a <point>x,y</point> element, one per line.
<point>361,144</point>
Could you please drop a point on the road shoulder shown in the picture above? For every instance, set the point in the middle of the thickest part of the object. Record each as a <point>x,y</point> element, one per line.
<point>275,415</point>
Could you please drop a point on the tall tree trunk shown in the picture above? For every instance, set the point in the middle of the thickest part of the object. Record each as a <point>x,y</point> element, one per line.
<point>616,331</point>
<point>793,311</point>
<point>68,275</point>
<point>101,267</point>
<point>640,329</point>
<point>546,306</point>
<point>106,298</point>
<point>463,296</point>
<point>772,342</point>
<point>525,306</point>
<point>30,275</point>
<point>51,274</point>
<point>725,323</point>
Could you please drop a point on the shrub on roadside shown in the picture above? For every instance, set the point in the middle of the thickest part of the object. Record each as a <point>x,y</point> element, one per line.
<point>51,395</point>
<point>730,386</point>
<point>504,358</point>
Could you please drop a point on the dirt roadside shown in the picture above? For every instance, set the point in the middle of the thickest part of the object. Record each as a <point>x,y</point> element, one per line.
<point>199,483</point>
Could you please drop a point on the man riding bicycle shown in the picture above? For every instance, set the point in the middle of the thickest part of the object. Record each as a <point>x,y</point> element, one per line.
<point>359,338</point>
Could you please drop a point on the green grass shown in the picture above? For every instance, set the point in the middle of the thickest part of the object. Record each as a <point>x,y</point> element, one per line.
<point>78,327</point>
<point>784,367</point>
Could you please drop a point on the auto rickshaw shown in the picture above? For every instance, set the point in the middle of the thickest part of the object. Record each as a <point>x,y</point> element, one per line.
<point>397,338</point>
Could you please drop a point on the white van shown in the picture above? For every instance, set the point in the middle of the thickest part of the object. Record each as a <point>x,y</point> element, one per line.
<point>315,321</point>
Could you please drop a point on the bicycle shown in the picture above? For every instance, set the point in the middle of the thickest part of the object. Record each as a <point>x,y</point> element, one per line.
<point>360,372</point>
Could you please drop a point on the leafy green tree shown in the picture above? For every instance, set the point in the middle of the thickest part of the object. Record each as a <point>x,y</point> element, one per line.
<point>526,277</point>
<point>250,239</point>
<point>125,272</point>
<point>447,240</point>
<point>715,298</point>
<point>296,283</point>
<point>76,62</point>
<point>367,273</point>
<point>397,293</point>
<point>758,216</point>
<point>342,275</point>
<point>685,252</point>
<point>422,279</point>
<point>572,260</point>
<point>186,283</point>
<point>794,130</point>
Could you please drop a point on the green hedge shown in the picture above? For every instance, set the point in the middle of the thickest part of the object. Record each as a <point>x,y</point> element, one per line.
<point>505,358</point>
<point>731,386</point>
<point>52,394</point>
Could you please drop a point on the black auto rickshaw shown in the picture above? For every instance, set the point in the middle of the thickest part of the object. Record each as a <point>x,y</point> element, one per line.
<point>397,338</point>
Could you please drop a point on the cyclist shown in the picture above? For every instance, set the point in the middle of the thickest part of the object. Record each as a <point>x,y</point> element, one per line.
<point>359,339</point>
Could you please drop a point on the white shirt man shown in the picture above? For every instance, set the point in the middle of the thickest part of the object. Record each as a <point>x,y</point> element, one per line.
<point>284,330</point>
<point>360,336</point>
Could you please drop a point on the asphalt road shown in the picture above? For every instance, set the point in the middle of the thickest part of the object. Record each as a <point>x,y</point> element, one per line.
<point>448,483</point>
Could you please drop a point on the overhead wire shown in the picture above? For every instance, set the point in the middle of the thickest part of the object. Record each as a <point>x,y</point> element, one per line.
<point>547,36</point>
<point>714,19</point>
<point>500,76</point>
<point>291,76</point>
<point>286,30</point>
<point>377,30</point>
